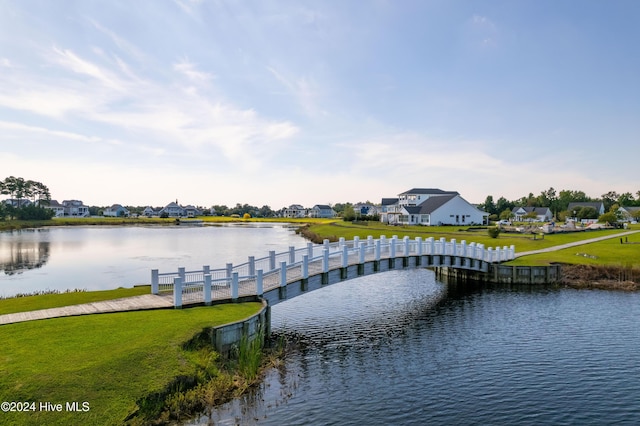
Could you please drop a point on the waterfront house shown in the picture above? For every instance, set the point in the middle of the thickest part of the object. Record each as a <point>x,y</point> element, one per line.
<point>75,208</point>
<point>429,207</point>
<point>365,210</point>
<point>17,203</point>
<point>322,210</point>
<point>191,211</point>
<point>543,214</point>
<point>116,210</point>
<point>149,211</point>
<point>58,209</point>
<point>295,211</point>
<point>172,209</point>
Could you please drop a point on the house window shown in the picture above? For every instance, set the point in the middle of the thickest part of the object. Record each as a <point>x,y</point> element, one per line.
<point>403,218</point>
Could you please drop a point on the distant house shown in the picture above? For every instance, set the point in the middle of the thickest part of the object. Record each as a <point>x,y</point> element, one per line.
<point>628,214</point>
<point>18,203</point>
<point>322,210</point>
<point>365,210</point>
<point>149,211</point>
<point>431,206</point>
<point>191,211</point>
<point>58,209</point>
<point>597,206</point>
<point>295,211</point>
<point>172,210</point>
<point>75,208</point>
<point>543,214</point>
<point>116,210</point>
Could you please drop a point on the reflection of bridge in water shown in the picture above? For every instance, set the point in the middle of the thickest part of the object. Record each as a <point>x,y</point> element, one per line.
<point>280,276</point>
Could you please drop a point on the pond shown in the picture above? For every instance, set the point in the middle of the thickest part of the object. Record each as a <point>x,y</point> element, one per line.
<point>108,257</point>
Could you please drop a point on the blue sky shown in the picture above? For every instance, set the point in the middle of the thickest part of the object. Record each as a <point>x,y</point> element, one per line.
<point>315,102</point>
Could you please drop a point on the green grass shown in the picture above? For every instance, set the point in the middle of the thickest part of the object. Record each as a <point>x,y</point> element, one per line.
<point>107,360</point>
<point>46,301</point>
<point>609,252</point>
<point>613,254</point>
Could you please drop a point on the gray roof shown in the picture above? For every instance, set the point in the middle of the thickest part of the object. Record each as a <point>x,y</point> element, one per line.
<point>431,205</point>
<point>323,207</point>
<point>595,204</point>
<point>431,191</point>
<point>389,201</point>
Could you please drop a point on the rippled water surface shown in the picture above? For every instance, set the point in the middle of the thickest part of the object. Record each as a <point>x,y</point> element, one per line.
<point>402,348</point>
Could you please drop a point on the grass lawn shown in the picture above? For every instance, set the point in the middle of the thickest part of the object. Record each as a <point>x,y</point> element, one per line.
<point>107,360</point>
<point>522,242</point>
<point>608,252</point>
<point>46,301</point>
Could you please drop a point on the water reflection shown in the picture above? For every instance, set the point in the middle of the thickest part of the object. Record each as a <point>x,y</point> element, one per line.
<point>20,255</point>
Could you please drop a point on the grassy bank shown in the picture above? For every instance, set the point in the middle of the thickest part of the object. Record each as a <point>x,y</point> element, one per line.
<point>45,301</point>
<point>109,361</point>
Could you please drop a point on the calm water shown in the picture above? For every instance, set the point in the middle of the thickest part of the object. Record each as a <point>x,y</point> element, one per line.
<point>95,258</point>
<point>399,348</point>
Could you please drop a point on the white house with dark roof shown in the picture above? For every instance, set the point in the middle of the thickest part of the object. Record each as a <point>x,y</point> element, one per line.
<point>543,214</point>
<point>628,213</point>
<point>430,207</point>
<point>75,208</point>
<point>172,209</point>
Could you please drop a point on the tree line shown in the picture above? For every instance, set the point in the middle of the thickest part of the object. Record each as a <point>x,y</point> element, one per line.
<point>558,202</point>
<point>27,199</point>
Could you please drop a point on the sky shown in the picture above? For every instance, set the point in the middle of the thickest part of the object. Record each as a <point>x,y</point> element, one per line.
<point>318,102</point>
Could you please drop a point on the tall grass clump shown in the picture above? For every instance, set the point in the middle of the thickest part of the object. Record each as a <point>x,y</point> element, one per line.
<point>249,353</point>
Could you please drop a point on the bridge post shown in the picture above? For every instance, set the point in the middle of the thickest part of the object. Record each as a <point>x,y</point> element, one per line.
<point>272,260</point>
<point>378,250</point>
<point>481,249</point>
<point>406,246</point>
<point>326,243</point>
<point>305,267</point>
<point>229,268</point>
<point>207,289</point>
<point>252,265</point>
<point>392,247</point>
<point>259,282</point>
<point>283,274</point>
<point>490,254</point>
<point>310,250</point>
<point>181,273</point>
<point>383,243</point>
<point>341,242</point>
<point>177,292</point>
<point>363,246</point>
<point>463,243</point>
<point>234,286</point>
<point>292,255</point>
<point>443,244</point>
<point>419,245</point>
<point>513,253</point>
<point>454,247</point>
<point>432,245</point>
<point>370,240</point>
<point>325,260</point>
<point>345,256</point>
<point>356,242</point>
<point>155,281</point>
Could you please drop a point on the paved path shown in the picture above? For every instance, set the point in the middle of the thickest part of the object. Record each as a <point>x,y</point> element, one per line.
<point>575,243</point>
<point>134,303</point>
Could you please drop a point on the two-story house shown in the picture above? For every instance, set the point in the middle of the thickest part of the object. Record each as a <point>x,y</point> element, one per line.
<point>429,207</point>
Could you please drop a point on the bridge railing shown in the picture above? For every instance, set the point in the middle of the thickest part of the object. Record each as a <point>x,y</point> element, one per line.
<point>256,276</point>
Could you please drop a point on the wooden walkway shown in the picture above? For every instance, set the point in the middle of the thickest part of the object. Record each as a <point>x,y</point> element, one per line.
<point>134,303</point>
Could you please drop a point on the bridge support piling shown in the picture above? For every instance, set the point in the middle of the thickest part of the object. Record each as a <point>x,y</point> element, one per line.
<point>283,274</point>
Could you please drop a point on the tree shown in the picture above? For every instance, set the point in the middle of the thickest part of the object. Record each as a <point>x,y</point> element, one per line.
<point>506,214</point>
<point>625,199</point>
<point>489,205</point>
<point>502,204</point>
<point>608,218</point>
<point>586,213</point>
<point>609,198</point>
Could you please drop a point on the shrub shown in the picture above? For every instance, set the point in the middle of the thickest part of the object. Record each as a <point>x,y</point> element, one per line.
<point>493,231</point>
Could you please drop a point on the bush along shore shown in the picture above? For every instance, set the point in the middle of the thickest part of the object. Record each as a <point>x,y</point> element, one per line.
<point>215,380</point>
